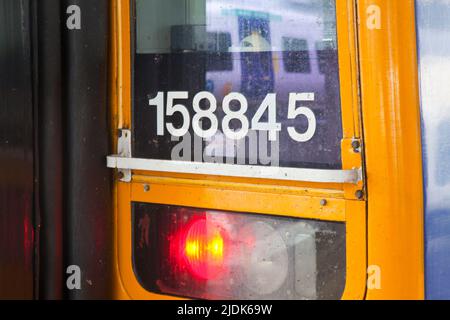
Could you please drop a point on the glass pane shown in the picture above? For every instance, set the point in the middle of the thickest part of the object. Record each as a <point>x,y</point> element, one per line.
<point>254,82</point>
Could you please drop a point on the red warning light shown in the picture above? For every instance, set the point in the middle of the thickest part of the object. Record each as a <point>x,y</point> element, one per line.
<point>204,248</point>
<point>218,255</point>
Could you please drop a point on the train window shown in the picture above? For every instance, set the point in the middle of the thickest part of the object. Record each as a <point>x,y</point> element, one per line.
<point>296,55</point>
<point>211,254</point>
<point>209,88</point>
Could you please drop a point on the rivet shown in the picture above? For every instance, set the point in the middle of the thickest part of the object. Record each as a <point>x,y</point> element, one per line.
<point>323,202</point>
<point>356,145</point>
<point>359,194</point>
<point>146,188</point>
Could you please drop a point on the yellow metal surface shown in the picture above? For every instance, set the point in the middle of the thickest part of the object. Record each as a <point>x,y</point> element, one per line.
<point>390,103</point>
<point>238,198</point>
<point>297,199</point>
<point>315,187</point>
<point>355,286</point>
<point>249,185</point>
<point>120,88</point>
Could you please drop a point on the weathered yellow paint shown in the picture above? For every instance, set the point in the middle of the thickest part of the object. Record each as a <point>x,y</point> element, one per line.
<point>351,124</point>
<point>227,185</point>
<point>239,198</point>
<point>355,286</point>
<point>390,104</point>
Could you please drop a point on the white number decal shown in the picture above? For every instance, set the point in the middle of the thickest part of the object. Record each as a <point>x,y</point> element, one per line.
<point>158,101</point>
<point>238,115</point>
<point>294,112</point>
<point>172,109</point>
<point>208,114</point>
<point>270,104</point>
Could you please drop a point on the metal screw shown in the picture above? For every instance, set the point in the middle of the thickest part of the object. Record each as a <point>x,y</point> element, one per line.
<point>323,202</point>
<point>146,188</point>
<point>356,145</point>
<point>359,194</point>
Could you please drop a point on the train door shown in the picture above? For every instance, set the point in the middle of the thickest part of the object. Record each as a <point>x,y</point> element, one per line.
<point>229,184</point>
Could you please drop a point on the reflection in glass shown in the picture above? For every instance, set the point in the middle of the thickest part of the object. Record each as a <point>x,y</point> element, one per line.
<point>433,28</point>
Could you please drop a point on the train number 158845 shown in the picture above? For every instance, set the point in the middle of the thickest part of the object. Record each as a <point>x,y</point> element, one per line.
<point>269,105</point>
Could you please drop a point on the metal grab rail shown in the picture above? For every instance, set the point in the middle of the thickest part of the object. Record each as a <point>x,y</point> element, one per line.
<point>246,171</point>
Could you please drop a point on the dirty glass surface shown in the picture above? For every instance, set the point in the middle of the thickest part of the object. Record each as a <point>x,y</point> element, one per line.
<point>211,254</point>
<point>253,82</point>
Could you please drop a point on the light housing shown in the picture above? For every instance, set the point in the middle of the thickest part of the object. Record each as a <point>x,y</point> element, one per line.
<point>209,254</point>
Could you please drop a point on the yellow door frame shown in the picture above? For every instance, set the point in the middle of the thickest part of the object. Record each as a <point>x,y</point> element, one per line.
<point>393,152</point>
